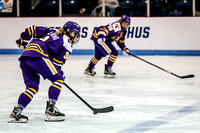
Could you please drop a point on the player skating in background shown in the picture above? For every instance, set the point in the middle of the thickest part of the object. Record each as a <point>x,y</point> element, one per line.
<point>103,37</point>
<point>44,55</point>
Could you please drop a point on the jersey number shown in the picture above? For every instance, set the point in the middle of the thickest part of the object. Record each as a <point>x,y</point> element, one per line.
<point>66,55</point>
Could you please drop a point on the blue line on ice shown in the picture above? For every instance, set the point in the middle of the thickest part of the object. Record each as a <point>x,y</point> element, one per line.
<point>151,124</point>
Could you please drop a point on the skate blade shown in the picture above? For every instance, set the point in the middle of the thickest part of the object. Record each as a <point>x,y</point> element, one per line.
<point>109,76</point>
<point>87,73</point>
<point>13,120</point>
<point>50,118</point>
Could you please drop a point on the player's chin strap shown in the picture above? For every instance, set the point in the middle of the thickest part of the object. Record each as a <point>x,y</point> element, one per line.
<point>123,29</point>
<point>70,37</point>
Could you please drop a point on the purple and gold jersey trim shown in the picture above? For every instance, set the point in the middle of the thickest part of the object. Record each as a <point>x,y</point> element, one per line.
<point>106,47</point>
<point>105,30</point>
<point>32,31</point>
<point>51,66</point>
<point>112,32</point>
<point>95,34</point>
<point>57,62</point>
<point>35,47</point>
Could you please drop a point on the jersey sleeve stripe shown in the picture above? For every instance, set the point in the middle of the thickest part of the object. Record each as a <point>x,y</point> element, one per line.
<point>34,27</point>
<point>57,61</point>
<point>106,30</point>
<point>36,51</point>
<point>37,46</point>
<point>29,31</point>
<point>102,33</point>
<point>95,35</point>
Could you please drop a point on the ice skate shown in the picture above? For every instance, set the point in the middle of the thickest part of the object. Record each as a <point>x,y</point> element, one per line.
<point>90,71</point>
<point>53,114</point>
<point>108,73</point>
<point>17,117</point>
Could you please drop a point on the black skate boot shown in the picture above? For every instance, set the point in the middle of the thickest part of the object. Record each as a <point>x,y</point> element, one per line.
<point>90,71</point>
<point>17,117</point>
<point>109,72</point>
<point>52,113</point>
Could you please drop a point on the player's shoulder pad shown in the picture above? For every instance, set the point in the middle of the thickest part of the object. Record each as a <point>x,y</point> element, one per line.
<point>67,44</point>
<point>116,26</point>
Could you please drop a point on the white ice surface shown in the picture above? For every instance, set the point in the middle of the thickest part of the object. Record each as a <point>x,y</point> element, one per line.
<point>145,98</point>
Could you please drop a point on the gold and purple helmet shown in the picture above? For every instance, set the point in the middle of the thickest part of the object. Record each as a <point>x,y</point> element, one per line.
<point>70,27</point>
<point>126,19</point>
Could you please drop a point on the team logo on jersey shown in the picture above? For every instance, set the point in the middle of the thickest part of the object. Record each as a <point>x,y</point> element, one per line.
<point>117,26</point>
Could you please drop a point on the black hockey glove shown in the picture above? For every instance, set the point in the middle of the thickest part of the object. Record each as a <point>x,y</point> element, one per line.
<point>21,43</point>
<point>61,72</point>
<point>125,52</point>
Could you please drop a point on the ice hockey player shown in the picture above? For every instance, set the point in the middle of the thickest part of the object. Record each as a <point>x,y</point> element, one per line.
<point>44,55</point>
<point>103,37</point>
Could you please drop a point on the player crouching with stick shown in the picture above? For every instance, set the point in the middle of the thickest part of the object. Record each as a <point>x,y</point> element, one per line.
<point>103,37</point>
<point>44,55</point>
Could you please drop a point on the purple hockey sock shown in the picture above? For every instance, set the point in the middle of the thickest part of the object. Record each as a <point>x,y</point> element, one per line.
<point>24,100</point>
<point>94,60</point>
<point>54,90</point>
<point>111,60</point>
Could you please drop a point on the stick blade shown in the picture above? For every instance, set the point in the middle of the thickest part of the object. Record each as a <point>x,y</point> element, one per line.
<point>103,110</point>
<point>188,76</point>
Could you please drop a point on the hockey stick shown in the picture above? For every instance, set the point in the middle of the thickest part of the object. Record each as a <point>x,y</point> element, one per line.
<point>181,77</point>
<point>95,110</point>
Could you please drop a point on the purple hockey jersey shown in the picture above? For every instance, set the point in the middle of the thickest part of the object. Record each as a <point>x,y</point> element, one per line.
<point>46,43</point>
<point>112,32</point>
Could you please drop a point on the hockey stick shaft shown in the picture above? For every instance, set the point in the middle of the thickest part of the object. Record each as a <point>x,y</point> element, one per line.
<point>186,76</point>
<point>78,96</point>
<point>95,110</point>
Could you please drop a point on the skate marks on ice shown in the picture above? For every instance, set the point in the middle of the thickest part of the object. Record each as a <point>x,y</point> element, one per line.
<point>151,124</point>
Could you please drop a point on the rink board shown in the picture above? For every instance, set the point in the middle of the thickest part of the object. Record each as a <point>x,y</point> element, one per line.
<point>146,36</point>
